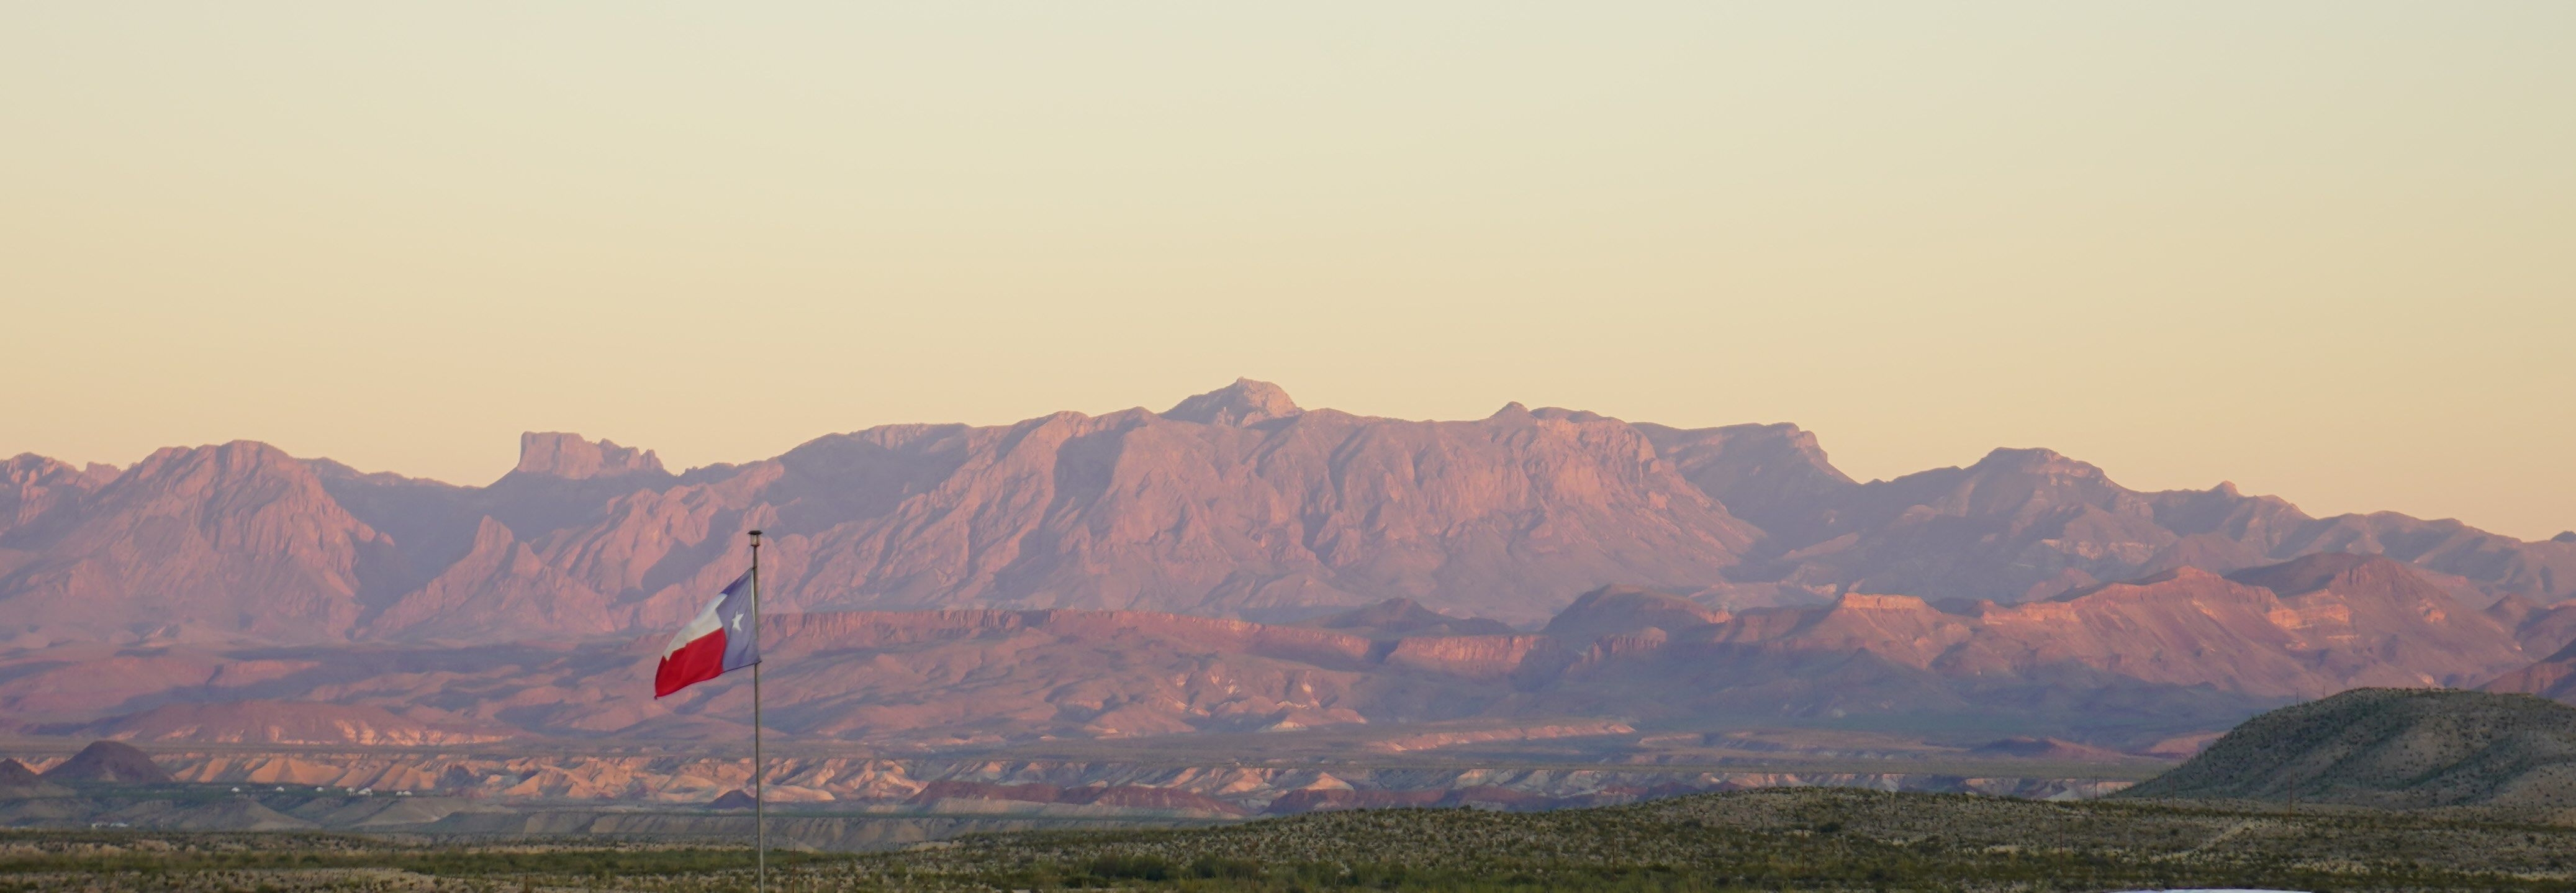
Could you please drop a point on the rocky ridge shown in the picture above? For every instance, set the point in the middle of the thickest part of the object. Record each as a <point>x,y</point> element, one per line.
<point>1233,503</point>
<point>1236,564</point>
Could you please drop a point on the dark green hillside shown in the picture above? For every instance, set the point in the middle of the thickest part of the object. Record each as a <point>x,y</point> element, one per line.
<point>2393,749</point>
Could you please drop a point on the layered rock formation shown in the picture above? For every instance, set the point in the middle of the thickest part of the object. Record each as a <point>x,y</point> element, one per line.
<point>288,722</point>
<point>2159,657</point>
<point>1234,564</point>
<point>1233,503</point>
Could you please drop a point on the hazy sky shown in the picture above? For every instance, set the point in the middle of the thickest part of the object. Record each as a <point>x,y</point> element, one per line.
<point>2326,250</point>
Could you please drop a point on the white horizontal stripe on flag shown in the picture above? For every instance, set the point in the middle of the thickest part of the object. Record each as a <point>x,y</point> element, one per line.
<point>698,628</point>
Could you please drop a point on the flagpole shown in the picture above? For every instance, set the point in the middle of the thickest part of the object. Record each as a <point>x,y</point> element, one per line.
<point>759,766</point>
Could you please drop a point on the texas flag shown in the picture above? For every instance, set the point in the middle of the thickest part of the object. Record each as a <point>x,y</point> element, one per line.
<point>719,641</point>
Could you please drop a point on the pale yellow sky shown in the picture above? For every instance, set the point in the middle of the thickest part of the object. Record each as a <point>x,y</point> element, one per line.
<point>2326,250</point>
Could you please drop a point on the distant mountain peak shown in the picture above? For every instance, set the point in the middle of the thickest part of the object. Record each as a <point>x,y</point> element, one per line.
<point>1406,617</point>
<point>109,761</point>
<point>2564,536</point>
<point>14,774</point>
<point>2035,461</point>
<point>27,466</point>
<point>1559,414</point>
<point>215,462</point>
<point>1628,610</point>
<point>1242,403</point>
<point>573,457</point>
<point>2028,747</point>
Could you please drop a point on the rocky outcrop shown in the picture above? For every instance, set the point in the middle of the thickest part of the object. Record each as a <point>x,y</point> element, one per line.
<point>33,486</point>
<point>1245,402</point>
<point>1473,657</point>
<point>573,457</point>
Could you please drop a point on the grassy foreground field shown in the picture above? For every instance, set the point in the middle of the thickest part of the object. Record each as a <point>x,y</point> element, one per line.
<point>1779,839</point>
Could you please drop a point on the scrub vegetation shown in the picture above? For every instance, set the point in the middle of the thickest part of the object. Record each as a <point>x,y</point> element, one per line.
<point>1778,839</point>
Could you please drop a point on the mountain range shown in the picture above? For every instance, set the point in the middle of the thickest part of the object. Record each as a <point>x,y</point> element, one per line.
<point>1624,668</point>
<point>1233,563</point>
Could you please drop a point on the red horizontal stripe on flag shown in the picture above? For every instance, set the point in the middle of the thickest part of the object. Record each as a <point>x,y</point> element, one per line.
<point>698,661</point>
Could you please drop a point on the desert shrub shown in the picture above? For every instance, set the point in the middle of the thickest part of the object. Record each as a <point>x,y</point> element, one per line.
<point>1117,866</point>
<point>1226,867</point>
